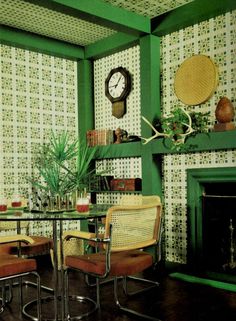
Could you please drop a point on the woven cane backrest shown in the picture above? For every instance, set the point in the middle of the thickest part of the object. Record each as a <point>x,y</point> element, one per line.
<point>134,226</point>
<point>138,199</point>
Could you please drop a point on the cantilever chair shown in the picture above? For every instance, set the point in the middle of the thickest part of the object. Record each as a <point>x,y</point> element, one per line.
<point>129,229</point>
<point>40,246</point>
<point>12,267</point>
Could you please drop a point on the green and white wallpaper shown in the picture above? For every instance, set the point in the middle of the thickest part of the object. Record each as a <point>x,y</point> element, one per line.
<point>38,95</point>
<point>215,38</point>
<point>124,167</point>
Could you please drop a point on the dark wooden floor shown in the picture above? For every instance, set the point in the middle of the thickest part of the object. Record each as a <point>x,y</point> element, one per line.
<point>173,301</point>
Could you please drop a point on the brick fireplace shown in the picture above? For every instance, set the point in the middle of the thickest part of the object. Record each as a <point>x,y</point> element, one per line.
<point>211,217</point>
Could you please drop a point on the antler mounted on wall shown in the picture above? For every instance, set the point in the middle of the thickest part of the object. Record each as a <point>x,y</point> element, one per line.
<point>157,133</point>
<point>178,126</point>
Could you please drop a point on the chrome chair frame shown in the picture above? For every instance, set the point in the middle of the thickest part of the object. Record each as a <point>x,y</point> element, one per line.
<point>115,278</point>
<point>7,300</point>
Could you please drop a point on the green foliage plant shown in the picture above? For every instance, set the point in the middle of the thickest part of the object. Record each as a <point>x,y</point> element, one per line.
<point>63,165</point>
<point>178,126</point>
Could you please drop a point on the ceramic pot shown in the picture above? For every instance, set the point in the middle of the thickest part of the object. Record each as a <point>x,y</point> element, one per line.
<point>224,110</point>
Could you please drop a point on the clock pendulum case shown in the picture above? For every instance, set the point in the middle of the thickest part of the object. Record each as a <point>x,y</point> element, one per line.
<point>117,88</point>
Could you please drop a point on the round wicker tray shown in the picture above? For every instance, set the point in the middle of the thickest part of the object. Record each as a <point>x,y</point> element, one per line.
<point>196,80</point>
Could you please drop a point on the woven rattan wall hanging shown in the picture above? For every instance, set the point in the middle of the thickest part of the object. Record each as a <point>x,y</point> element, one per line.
<point>196,80</point>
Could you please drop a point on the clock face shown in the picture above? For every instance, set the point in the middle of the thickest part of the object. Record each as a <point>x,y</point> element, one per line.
<point>116,85</point>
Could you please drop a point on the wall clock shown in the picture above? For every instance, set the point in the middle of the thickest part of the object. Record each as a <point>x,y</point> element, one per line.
<point>117,88</point>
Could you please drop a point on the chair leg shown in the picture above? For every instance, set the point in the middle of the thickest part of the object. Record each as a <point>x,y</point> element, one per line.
<point>39,304</point>
<point>138,314</point>
<point>152,284</point>
<point>3,298</point>
<point>82,299</point>
<point>66,283</point>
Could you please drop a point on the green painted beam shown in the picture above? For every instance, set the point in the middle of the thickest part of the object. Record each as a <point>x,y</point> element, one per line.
<point>85,97</point>
<point>190,14</point>
<point>29,41</point>
<point>200,142</point>
<point>101,13</point>
<point>150,80</point>
<point>150,108</point>
<point>110,45</point>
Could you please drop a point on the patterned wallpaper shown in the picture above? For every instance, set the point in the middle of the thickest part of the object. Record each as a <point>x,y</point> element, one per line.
<point>148,8</point>
<point>125,167</point>
<point>50,23</point>
<point>38,94</point>
<point>215,38</point>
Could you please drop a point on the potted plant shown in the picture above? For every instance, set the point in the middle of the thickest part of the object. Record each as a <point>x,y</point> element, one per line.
<point>63,166</point>
<point>177,126</point>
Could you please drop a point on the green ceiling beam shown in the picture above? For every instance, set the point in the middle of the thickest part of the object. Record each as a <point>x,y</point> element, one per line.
<point>30,41</point>
<point>99,12</point>
<point>190,14</point>
<point>110,45</point>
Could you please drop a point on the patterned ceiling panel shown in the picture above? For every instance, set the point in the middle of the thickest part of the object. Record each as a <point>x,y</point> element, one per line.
<point>33,18</point>
<point>148,8</point>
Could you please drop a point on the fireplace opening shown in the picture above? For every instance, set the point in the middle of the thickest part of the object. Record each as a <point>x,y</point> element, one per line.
<point>219,228</point>
<point>211,205</point>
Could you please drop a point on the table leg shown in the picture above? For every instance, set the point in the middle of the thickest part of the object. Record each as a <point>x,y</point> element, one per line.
<point>55,269</point>
<point>62,273</point>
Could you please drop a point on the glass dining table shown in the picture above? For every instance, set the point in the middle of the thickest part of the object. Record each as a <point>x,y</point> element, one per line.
<point>96,212</point>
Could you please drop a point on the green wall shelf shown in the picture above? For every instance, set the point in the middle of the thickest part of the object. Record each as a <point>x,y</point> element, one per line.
<point>119,150</point>
<point>200,142</point>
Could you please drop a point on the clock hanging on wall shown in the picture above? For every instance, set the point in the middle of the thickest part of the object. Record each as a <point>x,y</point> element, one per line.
<point>117,88</point>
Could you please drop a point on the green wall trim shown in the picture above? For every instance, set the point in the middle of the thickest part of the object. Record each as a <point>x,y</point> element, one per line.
<point>85,97</point>
<point>102,13</point>
<point>190,14</point>
<point>22,39</point>
<point>110,45</point>
<point>200,142</point>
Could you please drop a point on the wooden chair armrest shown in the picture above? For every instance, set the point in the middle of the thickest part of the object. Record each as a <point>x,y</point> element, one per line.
<point>78,234</point>
<point>16,238</point>
<point>85,236</point>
